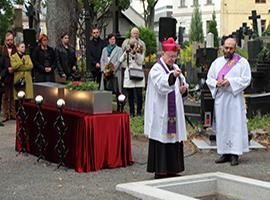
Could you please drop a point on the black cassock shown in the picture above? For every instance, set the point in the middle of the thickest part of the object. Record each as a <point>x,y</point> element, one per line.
<point>165,157</point>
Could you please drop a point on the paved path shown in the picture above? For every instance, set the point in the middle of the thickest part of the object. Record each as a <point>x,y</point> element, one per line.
<point>22,178</point>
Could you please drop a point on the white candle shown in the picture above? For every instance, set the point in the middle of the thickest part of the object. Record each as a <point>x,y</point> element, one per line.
<point>60,102</point>
<point>39,99</point>
<point>121,98</point>
<point>21,94</point>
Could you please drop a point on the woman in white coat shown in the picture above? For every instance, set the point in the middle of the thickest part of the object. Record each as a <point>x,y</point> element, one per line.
<point>111,54</point>
<point>133,57</point>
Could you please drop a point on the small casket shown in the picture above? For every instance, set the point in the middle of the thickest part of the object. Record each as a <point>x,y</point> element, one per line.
<point>92,102</point>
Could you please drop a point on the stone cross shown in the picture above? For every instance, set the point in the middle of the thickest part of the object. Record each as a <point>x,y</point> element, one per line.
<point>210,40</point>
<point>254,18</point>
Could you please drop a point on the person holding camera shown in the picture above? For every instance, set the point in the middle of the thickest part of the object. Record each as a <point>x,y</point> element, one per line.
<point>44,61</point>
<point>66,61</point>
<point>22,67</point>
<point>132,60</point>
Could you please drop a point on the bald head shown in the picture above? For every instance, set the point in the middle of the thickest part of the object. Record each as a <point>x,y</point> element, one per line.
<point>230,41</point>
<point>229,48</point>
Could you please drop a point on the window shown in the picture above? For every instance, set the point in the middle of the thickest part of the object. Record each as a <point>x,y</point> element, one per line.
<point>182,3</point>
<point>263,24</point>
<point>260,1</point>
<point>209,2</point>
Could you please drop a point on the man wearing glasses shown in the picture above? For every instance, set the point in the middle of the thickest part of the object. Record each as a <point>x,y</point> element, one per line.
<point>96,46</point>
<point>227,78</point>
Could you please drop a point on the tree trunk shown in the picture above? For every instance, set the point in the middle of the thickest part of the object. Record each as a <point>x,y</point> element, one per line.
<point>62,16</point>
<point>150,17</point>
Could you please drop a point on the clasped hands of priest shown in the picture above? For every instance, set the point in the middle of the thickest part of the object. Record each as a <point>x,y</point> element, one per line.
<point>223,83</point>
<point>182,87</point>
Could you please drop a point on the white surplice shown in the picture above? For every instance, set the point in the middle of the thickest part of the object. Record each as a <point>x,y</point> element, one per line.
<point>230,110</point>
<point>156,106</point>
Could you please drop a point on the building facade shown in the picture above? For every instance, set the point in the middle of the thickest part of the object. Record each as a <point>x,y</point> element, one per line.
<point>230,14</point>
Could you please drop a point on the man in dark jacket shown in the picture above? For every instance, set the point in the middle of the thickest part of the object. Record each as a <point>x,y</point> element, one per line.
<point>8,99</point>
<point>96,46</point>
<point>3,73</point>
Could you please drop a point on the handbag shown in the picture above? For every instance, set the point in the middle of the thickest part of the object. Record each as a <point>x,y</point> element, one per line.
<point>136,74</point>
<point>20,84</point>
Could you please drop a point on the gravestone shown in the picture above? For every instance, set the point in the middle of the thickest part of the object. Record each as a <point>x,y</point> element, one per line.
<point>210,40</point>
<point>204,58</point>
<point>259,23</point>
<point>181,31</point>
<point>254,48</point>
<point>245,42</point>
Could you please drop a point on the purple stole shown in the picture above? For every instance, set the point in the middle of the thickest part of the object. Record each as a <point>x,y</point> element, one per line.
<point>171,128</point>
<point>228,66</point>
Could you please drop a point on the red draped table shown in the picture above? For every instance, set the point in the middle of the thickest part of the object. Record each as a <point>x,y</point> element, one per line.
<point>94,142</point>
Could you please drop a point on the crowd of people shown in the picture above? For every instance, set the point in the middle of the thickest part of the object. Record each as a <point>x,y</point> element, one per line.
<point>19,69</point>
<point>111,67</point>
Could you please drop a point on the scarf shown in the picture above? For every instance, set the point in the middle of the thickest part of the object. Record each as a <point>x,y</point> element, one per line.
<point>110,49</point>
<point>171,126</point>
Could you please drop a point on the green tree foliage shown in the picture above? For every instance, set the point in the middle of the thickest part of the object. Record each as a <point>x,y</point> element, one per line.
<point>6,17</point>
<point>267,31</point>
<point>149,38</point>
<point>213,29</point>
<point>196,28</point>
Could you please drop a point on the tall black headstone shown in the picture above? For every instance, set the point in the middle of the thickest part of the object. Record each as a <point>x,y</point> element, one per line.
<point>167,28</point>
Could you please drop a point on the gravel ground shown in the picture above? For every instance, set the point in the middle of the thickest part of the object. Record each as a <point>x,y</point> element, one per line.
<point>22,177</point>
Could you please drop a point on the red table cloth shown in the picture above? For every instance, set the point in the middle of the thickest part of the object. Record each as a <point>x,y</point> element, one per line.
<point>94,141</point>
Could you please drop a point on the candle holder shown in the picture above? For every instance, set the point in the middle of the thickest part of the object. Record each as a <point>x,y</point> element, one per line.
<point>121,102</point>
<point>61,129</point>
<point>40,122</point>
<point>22,117</point>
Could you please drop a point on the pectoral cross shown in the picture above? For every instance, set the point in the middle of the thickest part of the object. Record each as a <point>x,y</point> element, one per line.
<point>231,62</point>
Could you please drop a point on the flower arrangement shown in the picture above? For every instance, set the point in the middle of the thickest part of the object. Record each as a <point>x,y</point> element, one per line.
<point>109,70</point>
<point>82,86</point>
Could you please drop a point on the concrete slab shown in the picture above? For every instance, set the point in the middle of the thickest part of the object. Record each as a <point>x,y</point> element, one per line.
<point>204,144</point>
<point>199,186</point>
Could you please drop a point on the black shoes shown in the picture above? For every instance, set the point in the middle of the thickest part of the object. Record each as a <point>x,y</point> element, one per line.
<point>1,124</point>
<point>234,160</point>
<point>224,158</point>
<point>228,158</point>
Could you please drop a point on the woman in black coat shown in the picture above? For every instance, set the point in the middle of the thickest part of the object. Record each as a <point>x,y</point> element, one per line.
<point>66,59</point>
<point>44,61</point>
